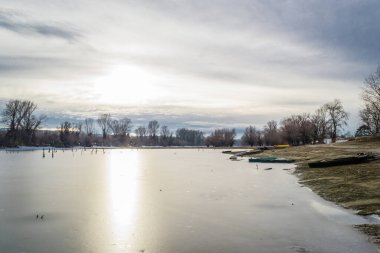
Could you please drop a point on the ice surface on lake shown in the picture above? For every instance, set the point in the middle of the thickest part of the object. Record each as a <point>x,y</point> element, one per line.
<point>164,201</point>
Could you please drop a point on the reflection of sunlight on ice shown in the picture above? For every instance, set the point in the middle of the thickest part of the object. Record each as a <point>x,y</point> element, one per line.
<point>123,170</point>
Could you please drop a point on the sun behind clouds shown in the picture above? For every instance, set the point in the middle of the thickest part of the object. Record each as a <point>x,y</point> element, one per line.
<point>127,84</point>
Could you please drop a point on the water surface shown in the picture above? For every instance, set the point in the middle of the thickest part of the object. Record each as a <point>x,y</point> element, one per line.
<point>164,201</point>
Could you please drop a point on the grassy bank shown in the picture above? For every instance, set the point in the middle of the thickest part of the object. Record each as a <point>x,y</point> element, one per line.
<point>352,186</point>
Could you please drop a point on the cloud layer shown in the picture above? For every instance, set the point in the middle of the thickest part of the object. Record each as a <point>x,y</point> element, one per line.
<point>192,63</point>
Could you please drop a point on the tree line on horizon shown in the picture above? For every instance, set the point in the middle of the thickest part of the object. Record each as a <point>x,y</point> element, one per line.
<point>300,129</point>
<point>23,127</point>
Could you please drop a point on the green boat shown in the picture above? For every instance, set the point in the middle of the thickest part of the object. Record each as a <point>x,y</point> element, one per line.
<point>270,159</point>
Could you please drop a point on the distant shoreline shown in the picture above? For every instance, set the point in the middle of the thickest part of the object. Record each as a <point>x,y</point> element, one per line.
<point>33,148</point>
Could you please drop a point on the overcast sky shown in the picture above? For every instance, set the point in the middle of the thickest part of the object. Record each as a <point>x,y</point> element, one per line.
<point>200,64</point>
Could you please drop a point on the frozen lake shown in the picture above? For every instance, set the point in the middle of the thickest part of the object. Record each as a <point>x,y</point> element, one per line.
<point>172,200</point>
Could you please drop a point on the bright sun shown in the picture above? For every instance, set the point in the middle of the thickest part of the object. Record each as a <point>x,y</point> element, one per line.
<point>127,84</point>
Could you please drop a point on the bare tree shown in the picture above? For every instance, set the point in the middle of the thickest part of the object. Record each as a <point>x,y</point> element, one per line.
<point>12,119</point>
<point>141,134</point>
<point>337,117</point>
<point>21,121</point>
<point>153,127</point>
<point>125,126</point>
<point>319,125</point>
<point>77,131</point>
<point>221,138</point>
<point>370,114</point>
<point>121,128</point>
<point>271,134</point>
<point>305,128</point>
<point>229,137</point>
<point>114,127</point>
<point>89,126</point>
<point>250,136</point>
<point>164,135</point>
<point>104,121</point>
<point>165,132</point>
<point>65,133</point>
<point>290,129</point>
<point>189,137</point>
<point>260,138</point>
<point>10,114</point>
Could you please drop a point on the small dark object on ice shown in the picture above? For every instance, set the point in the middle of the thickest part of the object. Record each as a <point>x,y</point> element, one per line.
<point>37,216</point>
<point>42,217</point>
<point>268,168</point>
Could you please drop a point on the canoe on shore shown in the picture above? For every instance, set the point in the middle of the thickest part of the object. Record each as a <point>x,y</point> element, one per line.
<point>270,159</point>
<point>359,158</point>
<point>242,153</point>
<point>265,147</point>
<point>281,146</point>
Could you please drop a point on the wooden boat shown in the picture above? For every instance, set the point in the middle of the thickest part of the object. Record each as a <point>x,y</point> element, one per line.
<point>248,152</point>
<point>242,153</point>
<point>359,158</point>
<point>270,159</point>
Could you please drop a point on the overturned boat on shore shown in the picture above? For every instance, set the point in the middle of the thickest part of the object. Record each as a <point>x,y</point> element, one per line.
<point>270,159</point>
<point>359,158</point>
<point>242,153</point>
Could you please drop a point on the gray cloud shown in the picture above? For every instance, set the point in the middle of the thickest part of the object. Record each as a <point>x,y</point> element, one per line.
<point>338,31</point>
<point>8,21</point>
<point>49,67</point>
<point>249,42</point>
<point>22,63</point>
<point>343,27</point>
